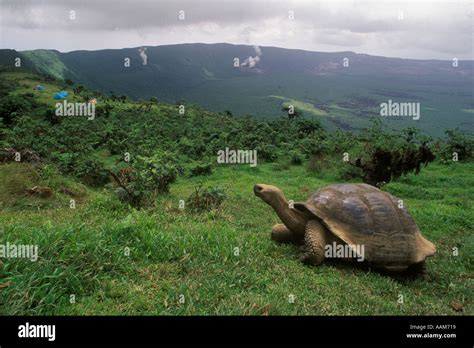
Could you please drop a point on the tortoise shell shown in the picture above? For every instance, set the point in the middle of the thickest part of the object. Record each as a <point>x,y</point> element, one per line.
<point>360,214</point>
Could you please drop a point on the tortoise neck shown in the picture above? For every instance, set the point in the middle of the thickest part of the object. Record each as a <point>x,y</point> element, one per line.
<point>291,218</point>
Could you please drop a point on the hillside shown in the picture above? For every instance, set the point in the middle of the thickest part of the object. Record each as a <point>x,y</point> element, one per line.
<point>120,258</point>
<point>316,83</point>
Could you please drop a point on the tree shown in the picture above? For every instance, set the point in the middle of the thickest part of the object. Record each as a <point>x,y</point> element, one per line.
<point>78,89</point>
<point>459,143</point>
<point>307,127</point>
<point>291,111</point>
<point>388,155</point>
<point>11,106</point>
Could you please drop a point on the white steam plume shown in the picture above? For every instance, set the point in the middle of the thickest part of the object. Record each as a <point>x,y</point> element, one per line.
<point>143,54</point>
<point>252,61</point>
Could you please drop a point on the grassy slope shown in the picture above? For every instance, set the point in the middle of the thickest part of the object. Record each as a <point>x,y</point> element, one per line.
<point>172,253</point>
<point>47,61</point>
<point>26,82</point>
<point>82,250</point>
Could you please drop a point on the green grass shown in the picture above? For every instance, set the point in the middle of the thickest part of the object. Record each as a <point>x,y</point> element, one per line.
<point>299,105</point>
<point>82,252</point>
<point>47,61</point>
<point>17,178</point>
<point>26,82</point>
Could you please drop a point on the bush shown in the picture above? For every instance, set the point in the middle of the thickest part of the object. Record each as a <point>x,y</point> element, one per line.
<point>92,172</point>
<point>50,116</point>
<point>148,176</point>
<point>341,141</point>
<point>78,89</point>
<point>281,166</point>
<point>117,141</point>
<point>317,164</point>
<point>387,156</point>
<point>193,149</point>
<point>267,152</point>
<point>313,145</point>
<point>207,199</point>
<point>157,172</point>
<point>201,169</point>
<point>103,109</point>
<point>295,158</point>
<point>11,107</point>
<point>307,127</point>
<point>66,161</point>
<point>349,172</point>
<point>457,144</point>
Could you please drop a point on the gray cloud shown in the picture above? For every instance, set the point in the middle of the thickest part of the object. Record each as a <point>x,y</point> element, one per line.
<point>425,29</point>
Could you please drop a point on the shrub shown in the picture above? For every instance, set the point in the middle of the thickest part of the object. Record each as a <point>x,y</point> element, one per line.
<point>349,172</point>
<point>307,127</point>
<point>291,111</point>
<point>295,158</point>
<point>205,199</point>
<point>148,176</point>
<point>92,172</point>
<point>78,89</point>
<point>281,166</point>
<point>317,163</point>
<point>11,106</point>
<point>125,186</point>
<point>50,116</point>
<point>200,169</point>
<point>157,172</point>
<point>267,152</point>
<point>103,110</point>
<point>313,145</point>
<point>341,141</point>
<point>387,156</point>
<point>193,149</point>
<point>117,141</point>
<point>458,144</point>
<point>65,161</point>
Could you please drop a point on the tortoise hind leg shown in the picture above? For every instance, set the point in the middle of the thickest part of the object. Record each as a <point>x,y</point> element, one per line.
<point>315,241</point>
<point>281,234</point>
<point>418,270</point>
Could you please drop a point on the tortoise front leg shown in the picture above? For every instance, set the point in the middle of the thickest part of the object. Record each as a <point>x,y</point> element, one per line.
<point>315,242</point>
<point>281,234</point>
<point>419,270</point>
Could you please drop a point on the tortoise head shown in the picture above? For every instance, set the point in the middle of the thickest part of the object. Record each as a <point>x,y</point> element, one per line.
<point>274,197</point>
<point>269,194</point>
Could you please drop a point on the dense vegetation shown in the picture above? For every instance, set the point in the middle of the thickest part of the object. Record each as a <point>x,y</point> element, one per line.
<point>155,217</point>
<point>316,82</point>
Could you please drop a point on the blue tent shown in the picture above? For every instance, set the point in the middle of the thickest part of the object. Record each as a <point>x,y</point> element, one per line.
<point>61,95</point>
<point>39,88</point>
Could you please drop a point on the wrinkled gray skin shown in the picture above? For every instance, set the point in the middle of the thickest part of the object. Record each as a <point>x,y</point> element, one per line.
<point>302,227</point>
<point>299,227</point>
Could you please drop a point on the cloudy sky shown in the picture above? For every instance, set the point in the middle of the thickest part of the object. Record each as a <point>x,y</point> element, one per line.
<point>408,29</point>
